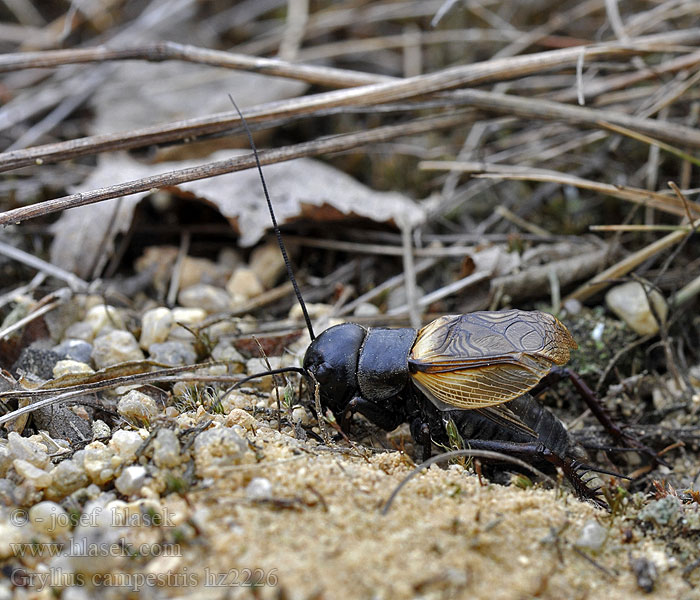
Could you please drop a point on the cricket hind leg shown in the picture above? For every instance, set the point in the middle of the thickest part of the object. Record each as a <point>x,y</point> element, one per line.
<point>615,431</point>
<point>535,451</point>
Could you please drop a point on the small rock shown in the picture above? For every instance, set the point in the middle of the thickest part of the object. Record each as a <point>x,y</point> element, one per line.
<point>98,463</point>
<point>258,365</point>
<point>50,518</point>
<point>100,429</point>
<point>243,419</point>
<point>202,295</point>
<point>592,536</point>
<point>104,318</point>
<point>259,488</point>
<point>137,406</point>
<point>218,447</point>
<point>131,480</point>
<point>155,326</point>
<point>366,309</point>
<point>228,259</point>
<point>301,415</point>
<point>74,349</point>
<point>71,367</point>
<point>267,263</point>
<point>10,536</point>
<point>244,285</point>
<point>125,444</point>
<point>114,348</point>
<point>80,330</point>
<point>597,332</point>
<point>397,297</point>
<point>316,310</point>
<point>166,449</point>
<point>28,451</point>
<point>226,351</point>
<point>629,302</point>
<point>201,270</point>
<point>191,317</point>
<point>39,478</point>
<point>173,353</point>
<point>67,477</point>
<point>573,306</point>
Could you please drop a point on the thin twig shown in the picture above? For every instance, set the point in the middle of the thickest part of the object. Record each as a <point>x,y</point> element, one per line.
<point>230,165</point>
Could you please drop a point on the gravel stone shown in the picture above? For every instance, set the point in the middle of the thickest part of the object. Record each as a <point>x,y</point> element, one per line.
<point>166,449</point>
<point>218,447</point>
<point>592,536</point>
<point>259,488</point>
<point>104,318</point>
<point>67,477</point>
<point>173,353</point>
<point>74,349</point>
<point>629,302</point>
<point>39,478</point>
<point>187,316</point>
<point>114,348</point>
<point>267,263</point>
<point>202,295</point>
<point>69,366</point>
<point>156,325</point>
<point>125,444</point>
<point>131,480</point>
<point>100,429</point>
<point>244,285</point>
<point>49,518</point>
<point>26,450</point>
<point>137,406</point>
<point>98,463</point>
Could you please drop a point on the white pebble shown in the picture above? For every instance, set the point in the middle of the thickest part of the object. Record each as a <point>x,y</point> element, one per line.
<point>218,447</point>
<point>366,309</point>
<point>166,449</point>
<point>37,477</point>
<point>125,444</point>
<point>137,406</point>
<point>629,302</point>
<point>50,518</point>
<point>131,480</point>
<point>100,429</point>
<point>98,462</point>
<point>103,318</point>
<point>187,316</point>
<point>244,285</point>
<point>155,326</point>
<point>114,348</point>
<point>67,477</point>
<point>209,297</point>
<point>70,367</point>
<point>301,415</point>
<point>592,536</point>
<point>259,488</point>
<point>27,450</point>
<point>267,263</point>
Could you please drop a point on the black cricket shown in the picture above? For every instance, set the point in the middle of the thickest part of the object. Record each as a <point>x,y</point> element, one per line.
<point>475,370</point>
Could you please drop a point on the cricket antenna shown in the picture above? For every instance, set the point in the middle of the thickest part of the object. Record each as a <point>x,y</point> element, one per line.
<point>274,222</point>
